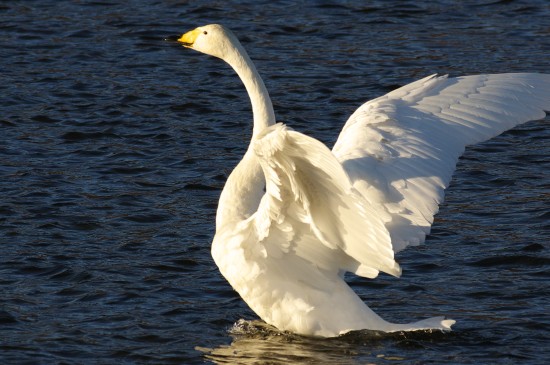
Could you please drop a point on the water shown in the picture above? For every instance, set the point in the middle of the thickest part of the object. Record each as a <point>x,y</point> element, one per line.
<point>115,146</point>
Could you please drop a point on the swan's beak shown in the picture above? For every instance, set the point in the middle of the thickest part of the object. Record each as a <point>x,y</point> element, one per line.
<point>189,38</point>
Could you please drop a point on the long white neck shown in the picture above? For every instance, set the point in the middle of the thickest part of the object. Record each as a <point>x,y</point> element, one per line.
<point>244,187</point>
<point>262,108</point>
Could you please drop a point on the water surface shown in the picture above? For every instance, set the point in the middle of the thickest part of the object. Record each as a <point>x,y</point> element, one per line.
<point>115,146</point>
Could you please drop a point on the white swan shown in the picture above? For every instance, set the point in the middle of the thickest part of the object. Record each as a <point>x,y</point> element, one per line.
<point>350,209</point>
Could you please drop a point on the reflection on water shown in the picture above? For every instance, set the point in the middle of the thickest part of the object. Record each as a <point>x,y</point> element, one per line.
<point>257,342</point>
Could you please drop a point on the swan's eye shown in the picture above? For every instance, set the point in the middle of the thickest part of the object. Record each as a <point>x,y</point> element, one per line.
<point>205,32</point>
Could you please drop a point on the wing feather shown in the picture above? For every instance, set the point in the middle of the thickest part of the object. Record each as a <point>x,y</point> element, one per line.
<point>401,149</point>
<point>311,210</point>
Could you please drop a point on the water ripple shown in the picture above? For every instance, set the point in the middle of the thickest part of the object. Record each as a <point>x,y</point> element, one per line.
<point>116,145</point>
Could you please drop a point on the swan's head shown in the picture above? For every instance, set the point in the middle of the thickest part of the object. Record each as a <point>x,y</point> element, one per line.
<point>213,39</point>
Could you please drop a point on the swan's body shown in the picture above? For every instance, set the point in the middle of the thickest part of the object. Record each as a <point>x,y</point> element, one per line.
<point>326,212</point>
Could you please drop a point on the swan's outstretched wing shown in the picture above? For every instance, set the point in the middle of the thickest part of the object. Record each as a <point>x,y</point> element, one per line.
<point>310,209</point>
<point>401,149</point>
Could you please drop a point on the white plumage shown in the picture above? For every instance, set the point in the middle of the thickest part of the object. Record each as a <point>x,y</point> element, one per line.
<point>285,249</point>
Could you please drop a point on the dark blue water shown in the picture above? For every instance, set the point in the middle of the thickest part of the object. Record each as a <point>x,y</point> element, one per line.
<point>115,145</point>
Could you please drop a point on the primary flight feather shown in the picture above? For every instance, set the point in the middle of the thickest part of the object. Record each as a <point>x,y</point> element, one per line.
<point>294,216</point>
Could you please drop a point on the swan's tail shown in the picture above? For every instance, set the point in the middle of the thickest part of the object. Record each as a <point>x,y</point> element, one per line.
<point>435,323</point>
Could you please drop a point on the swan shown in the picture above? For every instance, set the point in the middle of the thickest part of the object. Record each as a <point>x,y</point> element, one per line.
<point>294,216</point>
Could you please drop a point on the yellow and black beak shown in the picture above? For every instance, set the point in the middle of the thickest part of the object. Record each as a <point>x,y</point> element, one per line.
<point>189,38</point>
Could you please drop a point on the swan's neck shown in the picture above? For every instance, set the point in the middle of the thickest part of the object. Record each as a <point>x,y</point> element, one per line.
<point>242,192</point>
<point>244,187</point>
<point>262,108</point>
